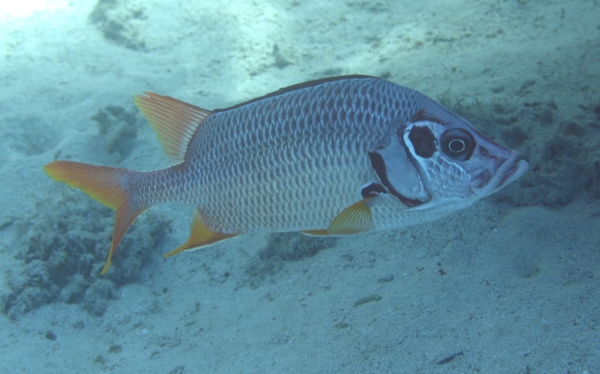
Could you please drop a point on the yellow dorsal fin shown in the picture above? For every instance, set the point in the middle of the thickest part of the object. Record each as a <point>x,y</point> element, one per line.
<point>355,219</point>
<point>200,235</point>
<point>174,122</point>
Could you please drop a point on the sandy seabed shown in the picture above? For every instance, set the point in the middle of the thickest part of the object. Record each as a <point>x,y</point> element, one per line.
<point>513,282</point>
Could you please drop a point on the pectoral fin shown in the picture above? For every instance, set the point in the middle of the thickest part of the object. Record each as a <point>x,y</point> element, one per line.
<point>355,219</point>
<point>200,235</point>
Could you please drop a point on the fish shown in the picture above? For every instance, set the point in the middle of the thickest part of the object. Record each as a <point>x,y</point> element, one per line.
<point>331,157</point>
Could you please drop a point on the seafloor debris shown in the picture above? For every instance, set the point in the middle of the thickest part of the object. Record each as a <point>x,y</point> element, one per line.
<point>119,127</point>
<point>120,21</point>
<point>447,359</point>
<point>64,248</point>
<point>367,299</point>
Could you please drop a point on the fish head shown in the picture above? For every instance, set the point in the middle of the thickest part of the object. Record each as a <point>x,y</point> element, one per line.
<point>456,163</point>
<point>440,160</point>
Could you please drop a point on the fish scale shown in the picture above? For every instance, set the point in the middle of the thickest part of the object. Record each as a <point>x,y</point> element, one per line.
<point>236,153</point>
<point>337,156</point>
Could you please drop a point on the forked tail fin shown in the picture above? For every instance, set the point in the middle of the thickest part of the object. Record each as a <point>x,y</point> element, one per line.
<point>104,184</point>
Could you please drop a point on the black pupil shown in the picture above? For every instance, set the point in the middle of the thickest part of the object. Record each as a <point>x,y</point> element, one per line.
<point>458,144</point>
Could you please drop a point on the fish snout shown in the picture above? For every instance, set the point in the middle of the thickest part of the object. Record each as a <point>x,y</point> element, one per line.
<point>501,172</point>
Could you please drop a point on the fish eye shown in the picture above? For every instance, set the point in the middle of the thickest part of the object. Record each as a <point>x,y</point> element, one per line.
<point>458,144</point>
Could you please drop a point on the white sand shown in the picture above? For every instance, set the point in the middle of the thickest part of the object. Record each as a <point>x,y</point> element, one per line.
<point>521,289</point>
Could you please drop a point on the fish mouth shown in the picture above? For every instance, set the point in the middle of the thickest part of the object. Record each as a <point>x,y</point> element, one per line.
<point>487,181</point>
<point>509,171</point>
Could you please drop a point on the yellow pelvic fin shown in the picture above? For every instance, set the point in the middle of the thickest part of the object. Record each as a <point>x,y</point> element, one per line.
<point>355,219</point>
<point>174,122</point>
<point>200,235</point>
<point>104,185</point>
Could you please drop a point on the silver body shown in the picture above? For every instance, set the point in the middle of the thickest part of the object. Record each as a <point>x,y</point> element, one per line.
<point>295,159</point>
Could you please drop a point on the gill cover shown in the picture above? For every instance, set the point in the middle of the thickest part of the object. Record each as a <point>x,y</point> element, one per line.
<point>398,174</point>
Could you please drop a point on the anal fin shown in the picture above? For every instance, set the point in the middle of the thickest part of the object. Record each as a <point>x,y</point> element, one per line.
<point>200,235</point>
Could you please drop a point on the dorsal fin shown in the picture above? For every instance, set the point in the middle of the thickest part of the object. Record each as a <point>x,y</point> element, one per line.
<point>296,87</point>
<point>174,122</point>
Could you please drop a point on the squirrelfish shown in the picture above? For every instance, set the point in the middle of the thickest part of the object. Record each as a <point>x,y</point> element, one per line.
<point>335,156</point>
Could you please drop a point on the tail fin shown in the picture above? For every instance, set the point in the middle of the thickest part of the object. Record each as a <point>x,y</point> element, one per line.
<point>103,184</point>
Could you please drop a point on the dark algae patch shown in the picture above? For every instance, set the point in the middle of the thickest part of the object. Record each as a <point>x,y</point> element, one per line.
<point>120,22</point>
<point>64,244</point>
<point>63,250</point>
<point>282,248</point>
<point>119,128</point>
